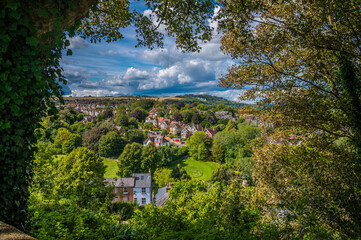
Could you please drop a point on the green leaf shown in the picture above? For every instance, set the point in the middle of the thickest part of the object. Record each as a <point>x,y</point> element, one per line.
<point>43,12</point>
<point>32,41</point>
<point>12,5</point>
<point>69,52</point>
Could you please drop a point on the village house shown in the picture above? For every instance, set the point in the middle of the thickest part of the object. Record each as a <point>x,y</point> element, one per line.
<point>157,140</point>
<point>175,127</point>
<point>225,115</point>
<point>153,120</point>
<point>137,189</point>
<point>164,123</point>
<point>210,132</point>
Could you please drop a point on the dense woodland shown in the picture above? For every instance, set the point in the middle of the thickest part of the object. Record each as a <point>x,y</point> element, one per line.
<point>299,59</point>
<point>68,196</point>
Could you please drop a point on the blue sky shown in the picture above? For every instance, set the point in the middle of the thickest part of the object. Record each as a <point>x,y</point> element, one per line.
<point>118,68</point>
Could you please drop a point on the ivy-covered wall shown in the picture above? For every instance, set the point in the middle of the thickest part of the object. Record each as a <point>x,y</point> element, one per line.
<point>29,71</point>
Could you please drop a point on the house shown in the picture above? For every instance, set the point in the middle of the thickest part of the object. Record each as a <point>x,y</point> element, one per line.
<point>225,115</point>
<point>157,140</point>
<point>153,112</point>
<point>164,123</point>
<point>210,132</point>
<point>175,127</point>
<point>185,132</point>
<point>152,120</point>
<point>137,188</point>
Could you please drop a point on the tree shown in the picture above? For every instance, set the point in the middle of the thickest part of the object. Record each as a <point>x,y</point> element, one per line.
<point>105,115</point>
<point>110,145</point>
<point>177,117</point>
<point>303,66</point>
<point>33,36</point>
<point>137,114</point>
<point>72,142</point>
<point>179,173</point>
<point>91,138</point>
<point>161,176</point>
<point>121,118</point>
<point>196,119</point>
<point>134,135</point>
<point>150,158</point>
<point>222,175</point>
<point>187,116</point>
<point>61,136</point>
<point>203,152</point>
<point>197,139</point>
<point>81,174</point>
<point>130,160</point>
<point>218,153</point>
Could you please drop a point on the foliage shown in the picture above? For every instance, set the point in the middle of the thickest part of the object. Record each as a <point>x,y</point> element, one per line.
<point>121,118</point>
<point>110,145</point>
<point>315,186</point>
<point>218,153</point>
<point>81,174</point>
<point>145,104</point>
<point>168,154</point>
<point>195,141</point>
<point>80,127</point>
<point>204,99</point>
<point>303,66</point>
<point>177,117</point>
<point>68,197</point>
<point>196,119</point>
<point>91,137</point>
<point>73,141</point>
<point>196,210</point>
<point>61,136</point>
<point>137,114</point>
<point>134,135</point>
<point>179,173</point>
<point>105,115</point>
<point>130,160</point>
<point>150,158</point>
<point>203,152</point>
<point>161,176</point>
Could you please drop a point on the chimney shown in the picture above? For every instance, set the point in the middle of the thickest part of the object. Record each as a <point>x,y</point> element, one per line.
<point>149,172</point>
<point>133,175</point>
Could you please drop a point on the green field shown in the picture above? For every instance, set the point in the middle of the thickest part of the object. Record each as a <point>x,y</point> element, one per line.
<point>112,168</point>
<point>196,169</point>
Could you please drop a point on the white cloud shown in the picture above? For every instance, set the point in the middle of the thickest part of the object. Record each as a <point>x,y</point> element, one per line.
<point>77,43</point>
<point>135,74</point>
<point>94,93</point>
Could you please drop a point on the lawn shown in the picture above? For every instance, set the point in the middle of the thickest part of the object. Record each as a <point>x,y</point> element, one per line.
<point>196,169</point>
<point>112,168</point>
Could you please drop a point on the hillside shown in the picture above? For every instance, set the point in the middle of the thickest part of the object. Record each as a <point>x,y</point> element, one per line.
<point>205,99</point>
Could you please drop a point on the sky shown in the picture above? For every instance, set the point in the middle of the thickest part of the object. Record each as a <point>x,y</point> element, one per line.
<point>118,69</point>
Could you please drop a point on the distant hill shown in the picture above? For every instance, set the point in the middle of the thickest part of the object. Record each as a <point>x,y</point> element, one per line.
<point>205,99</point>
<point>187,99</point>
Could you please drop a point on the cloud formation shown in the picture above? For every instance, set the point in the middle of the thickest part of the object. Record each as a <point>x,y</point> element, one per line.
<point>77,43</point>
<point>119,69</point>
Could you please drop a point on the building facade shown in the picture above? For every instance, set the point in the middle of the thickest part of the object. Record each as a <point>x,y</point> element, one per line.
<point>137,188</point>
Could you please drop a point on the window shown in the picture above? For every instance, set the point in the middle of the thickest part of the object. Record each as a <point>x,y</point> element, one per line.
<point>116,199</point>
<point>125,190</point>
<point>143,190</point>
<point>115,190</point>
<point>144,201</point>
<point>125,199</point>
